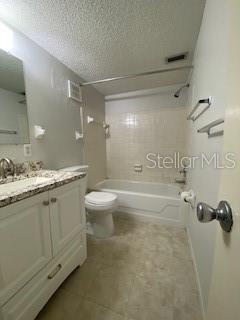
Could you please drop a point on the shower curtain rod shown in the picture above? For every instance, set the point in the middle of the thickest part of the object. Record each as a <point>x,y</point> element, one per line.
<point>136,75</point>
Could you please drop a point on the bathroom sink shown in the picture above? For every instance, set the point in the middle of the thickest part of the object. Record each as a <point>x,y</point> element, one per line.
<point>21,184</point>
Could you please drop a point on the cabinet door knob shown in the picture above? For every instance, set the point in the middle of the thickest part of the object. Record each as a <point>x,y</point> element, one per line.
<point>53,200</point>
<point>46,203</point>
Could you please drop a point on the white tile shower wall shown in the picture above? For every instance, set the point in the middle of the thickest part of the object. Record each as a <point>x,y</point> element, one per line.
<point>48,105</point>
<point>140,123</point>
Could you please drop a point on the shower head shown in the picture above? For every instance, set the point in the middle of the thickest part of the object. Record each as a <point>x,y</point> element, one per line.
<point>177,93</point>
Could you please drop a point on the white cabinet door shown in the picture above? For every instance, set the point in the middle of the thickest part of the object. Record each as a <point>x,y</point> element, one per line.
<point>66,214</point>
<point>25,243</point>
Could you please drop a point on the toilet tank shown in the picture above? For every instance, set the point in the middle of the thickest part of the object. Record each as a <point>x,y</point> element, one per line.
<point>78,168</point>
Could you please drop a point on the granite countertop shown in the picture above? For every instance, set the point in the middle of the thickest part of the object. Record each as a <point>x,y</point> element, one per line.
<point>57,179</point>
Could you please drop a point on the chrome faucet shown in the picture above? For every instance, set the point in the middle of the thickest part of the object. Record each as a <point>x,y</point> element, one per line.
<point>7,167</point>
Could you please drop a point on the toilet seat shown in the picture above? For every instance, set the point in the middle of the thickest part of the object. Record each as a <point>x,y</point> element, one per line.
<point>100,202</point>
<point>100,198</point>
<point>103,209</point>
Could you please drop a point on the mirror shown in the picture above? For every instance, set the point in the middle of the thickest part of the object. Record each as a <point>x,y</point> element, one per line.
<point>13,105</point>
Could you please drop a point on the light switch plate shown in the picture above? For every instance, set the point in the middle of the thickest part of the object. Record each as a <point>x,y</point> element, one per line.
<point>27,150</point>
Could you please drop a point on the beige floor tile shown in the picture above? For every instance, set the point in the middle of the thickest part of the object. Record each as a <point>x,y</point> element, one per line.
<point>146,306</point>
<point>159,244</point>
<point>143,272</point>
<point>130,228</point>
<point>165,292</point>
<point>186,306</point>
<point>80,279</point>
<point>184,275</point>
<point>181,250</point>
<point>88,310</point>
<point>159,265</point>
<point>123,227</point>
<point>61,306</point>
<point>163,230</point>
<point>116,252</point>
<point>95,248</point>
<point>111,289</point>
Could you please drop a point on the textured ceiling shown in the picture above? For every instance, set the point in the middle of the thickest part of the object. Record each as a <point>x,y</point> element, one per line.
<point>107,38</point>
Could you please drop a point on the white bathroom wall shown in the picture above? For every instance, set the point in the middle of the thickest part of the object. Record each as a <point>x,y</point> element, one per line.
<point>208,79</point>
<point>95,140</point>
<point>48,105</point>
<point>142,122</point>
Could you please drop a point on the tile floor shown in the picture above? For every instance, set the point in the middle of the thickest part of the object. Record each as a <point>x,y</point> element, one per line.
<point>144,272</point>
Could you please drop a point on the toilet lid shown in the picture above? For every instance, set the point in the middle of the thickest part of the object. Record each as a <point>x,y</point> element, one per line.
<point>100,197</point>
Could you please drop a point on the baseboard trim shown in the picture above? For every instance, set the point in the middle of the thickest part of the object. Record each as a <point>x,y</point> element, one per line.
<point>196,274</point>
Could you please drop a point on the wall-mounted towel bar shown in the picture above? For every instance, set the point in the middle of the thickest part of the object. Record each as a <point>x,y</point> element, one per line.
<point>201,102</point>
<point>207,128</point>
<point>3,131</point>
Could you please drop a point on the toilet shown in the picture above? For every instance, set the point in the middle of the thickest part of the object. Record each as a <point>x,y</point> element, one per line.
<point>99,206</point>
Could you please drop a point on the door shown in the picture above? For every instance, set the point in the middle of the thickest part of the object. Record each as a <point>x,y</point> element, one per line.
<point>25,243</point>
<point>66,214</point>
<point>224,298</point>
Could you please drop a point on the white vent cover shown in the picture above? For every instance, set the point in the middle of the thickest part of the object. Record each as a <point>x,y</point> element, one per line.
<point>74,91</point>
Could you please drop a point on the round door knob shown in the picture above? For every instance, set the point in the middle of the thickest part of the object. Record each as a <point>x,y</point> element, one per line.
<point>205,213</point>
<point>223,214</point>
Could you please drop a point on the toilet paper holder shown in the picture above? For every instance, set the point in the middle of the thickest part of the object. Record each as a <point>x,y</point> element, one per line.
<point>39,132</point>
<point>189,197</point>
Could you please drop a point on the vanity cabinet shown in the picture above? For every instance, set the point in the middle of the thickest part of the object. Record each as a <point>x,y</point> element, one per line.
<point>25,243</point>
<point>65,215</point>
<point>42,240</point>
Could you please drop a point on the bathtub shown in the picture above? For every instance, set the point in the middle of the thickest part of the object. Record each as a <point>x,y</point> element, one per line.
<point>146,200</point>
